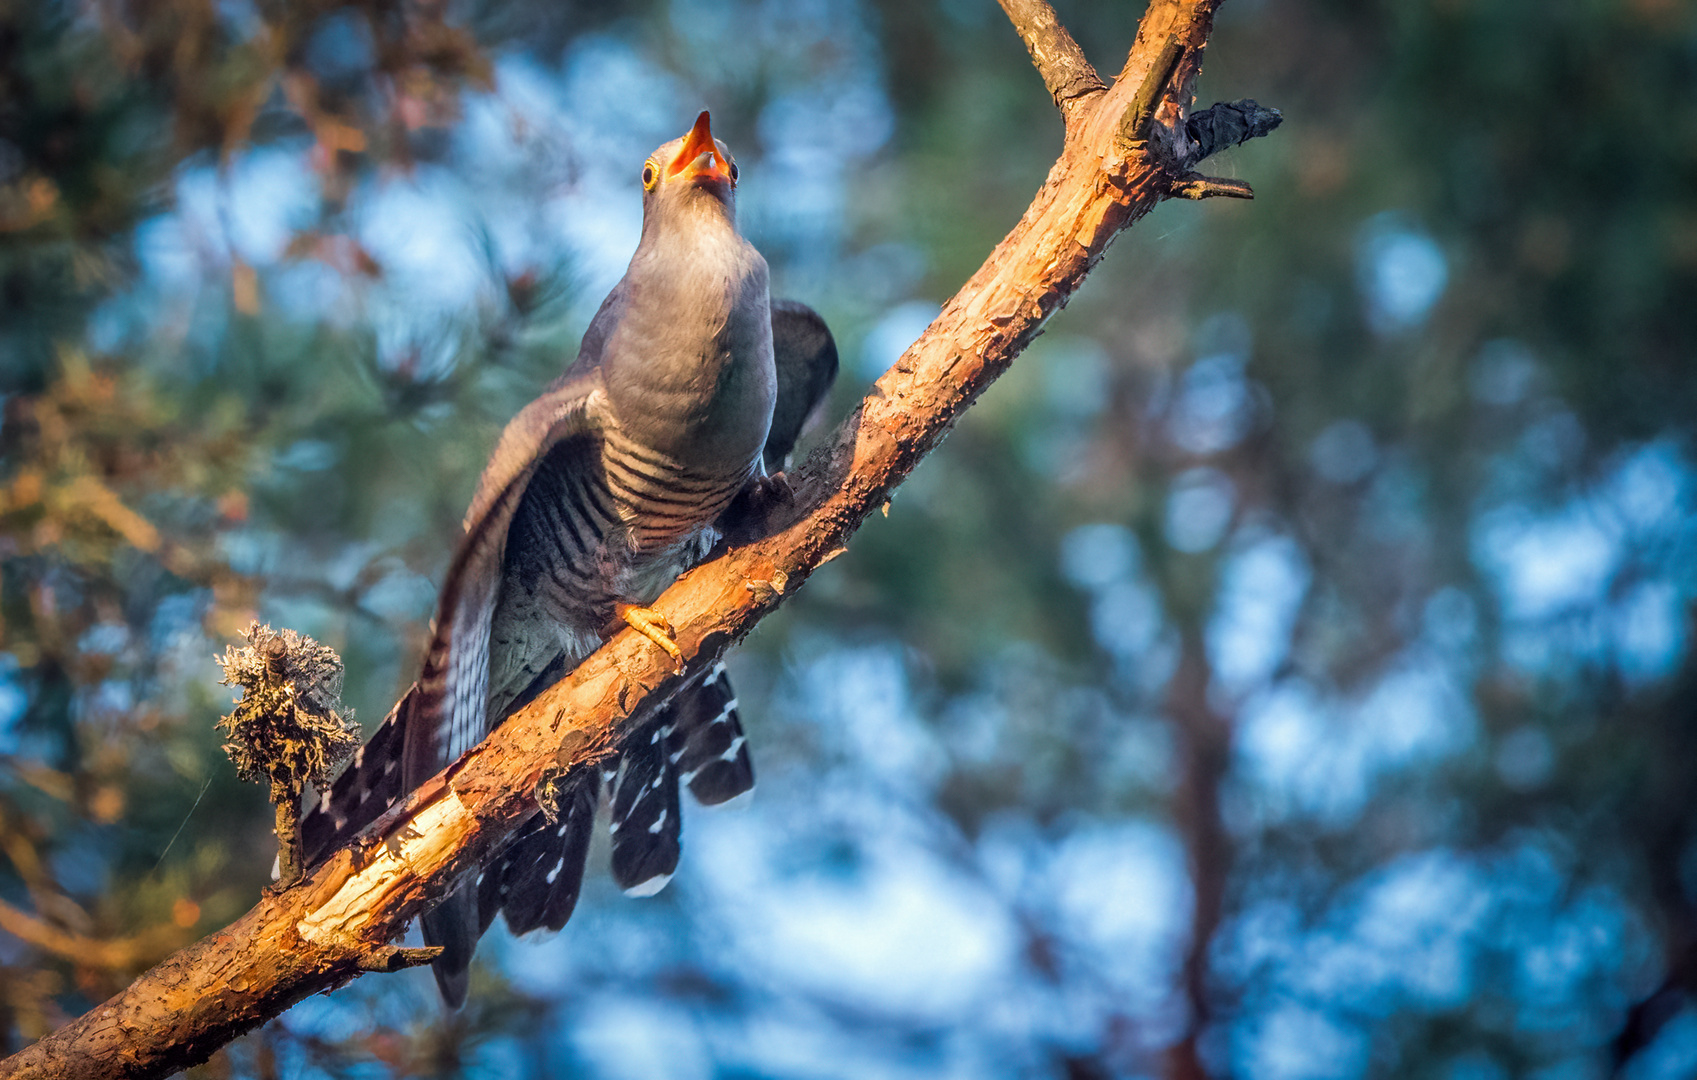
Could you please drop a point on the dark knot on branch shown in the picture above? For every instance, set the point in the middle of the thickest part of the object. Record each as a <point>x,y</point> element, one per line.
<point>1225,125</point>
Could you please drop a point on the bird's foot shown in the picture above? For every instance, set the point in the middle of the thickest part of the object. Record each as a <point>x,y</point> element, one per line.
<point>762,504</point>
<point>773,491</point>
<point>653,626</point>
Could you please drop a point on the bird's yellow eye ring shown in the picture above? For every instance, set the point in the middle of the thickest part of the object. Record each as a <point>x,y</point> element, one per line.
<point>649,175</point>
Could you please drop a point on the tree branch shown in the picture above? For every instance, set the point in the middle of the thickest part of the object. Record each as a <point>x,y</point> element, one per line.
<point>341,918</point>
<point>1057,57</point>
<point>1197,186</point>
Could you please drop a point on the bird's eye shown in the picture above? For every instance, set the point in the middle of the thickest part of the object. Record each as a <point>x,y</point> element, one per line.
<point>648,176</point>
<point>733,172</point>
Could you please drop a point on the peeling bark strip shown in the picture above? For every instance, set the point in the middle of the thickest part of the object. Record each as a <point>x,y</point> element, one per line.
<point>340,919</point>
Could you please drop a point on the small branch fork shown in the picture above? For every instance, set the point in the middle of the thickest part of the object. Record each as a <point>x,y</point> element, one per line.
<point>1073,82</point>
<point>1126,149</point>
<point>1060,61</point>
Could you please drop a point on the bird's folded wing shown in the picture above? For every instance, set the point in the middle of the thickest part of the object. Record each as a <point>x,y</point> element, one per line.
<point>805,356</point>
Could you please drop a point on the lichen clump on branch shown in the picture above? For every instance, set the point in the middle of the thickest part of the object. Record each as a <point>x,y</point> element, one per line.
<point>289,726</point>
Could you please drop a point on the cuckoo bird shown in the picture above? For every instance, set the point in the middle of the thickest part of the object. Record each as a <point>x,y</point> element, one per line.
<point>689,390</point>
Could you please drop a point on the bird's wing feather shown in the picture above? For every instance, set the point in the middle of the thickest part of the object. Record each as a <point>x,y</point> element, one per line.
<point>452,714</point>
<point>805,356</point>
<point>594,345</point>
<point>451,717</point>
<point>370,785</point>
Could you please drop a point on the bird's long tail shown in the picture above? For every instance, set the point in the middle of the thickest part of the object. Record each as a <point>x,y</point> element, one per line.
<point>696,740</point>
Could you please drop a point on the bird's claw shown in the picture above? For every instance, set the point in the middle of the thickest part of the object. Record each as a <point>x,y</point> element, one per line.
<point>762,504</point>
<point>775,491</point>
<point>653,626</point>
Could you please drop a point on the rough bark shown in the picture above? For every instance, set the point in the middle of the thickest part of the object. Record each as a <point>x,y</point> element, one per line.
<point>1057,57</point>
<point>1120,158</point>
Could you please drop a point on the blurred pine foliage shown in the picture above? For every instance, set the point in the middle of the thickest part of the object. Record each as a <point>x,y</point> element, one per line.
<point>1285,671</point>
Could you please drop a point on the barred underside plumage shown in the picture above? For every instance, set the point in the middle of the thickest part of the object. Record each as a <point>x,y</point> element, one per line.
<point>689,384</point>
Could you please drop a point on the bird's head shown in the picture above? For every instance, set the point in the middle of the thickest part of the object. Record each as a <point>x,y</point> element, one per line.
<point>694,172</point>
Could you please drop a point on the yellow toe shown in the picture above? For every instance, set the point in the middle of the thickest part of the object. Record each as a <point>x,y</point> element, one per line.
<point>653,626</point>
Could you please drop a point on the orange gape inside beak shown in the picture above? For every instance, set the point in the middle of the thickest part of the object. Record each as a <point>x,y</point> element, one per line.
<point>700,154</point>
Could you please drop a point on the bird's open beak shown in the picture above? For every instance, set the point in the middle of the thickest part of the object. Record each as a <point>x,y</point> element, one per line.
<point>700,155</point>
